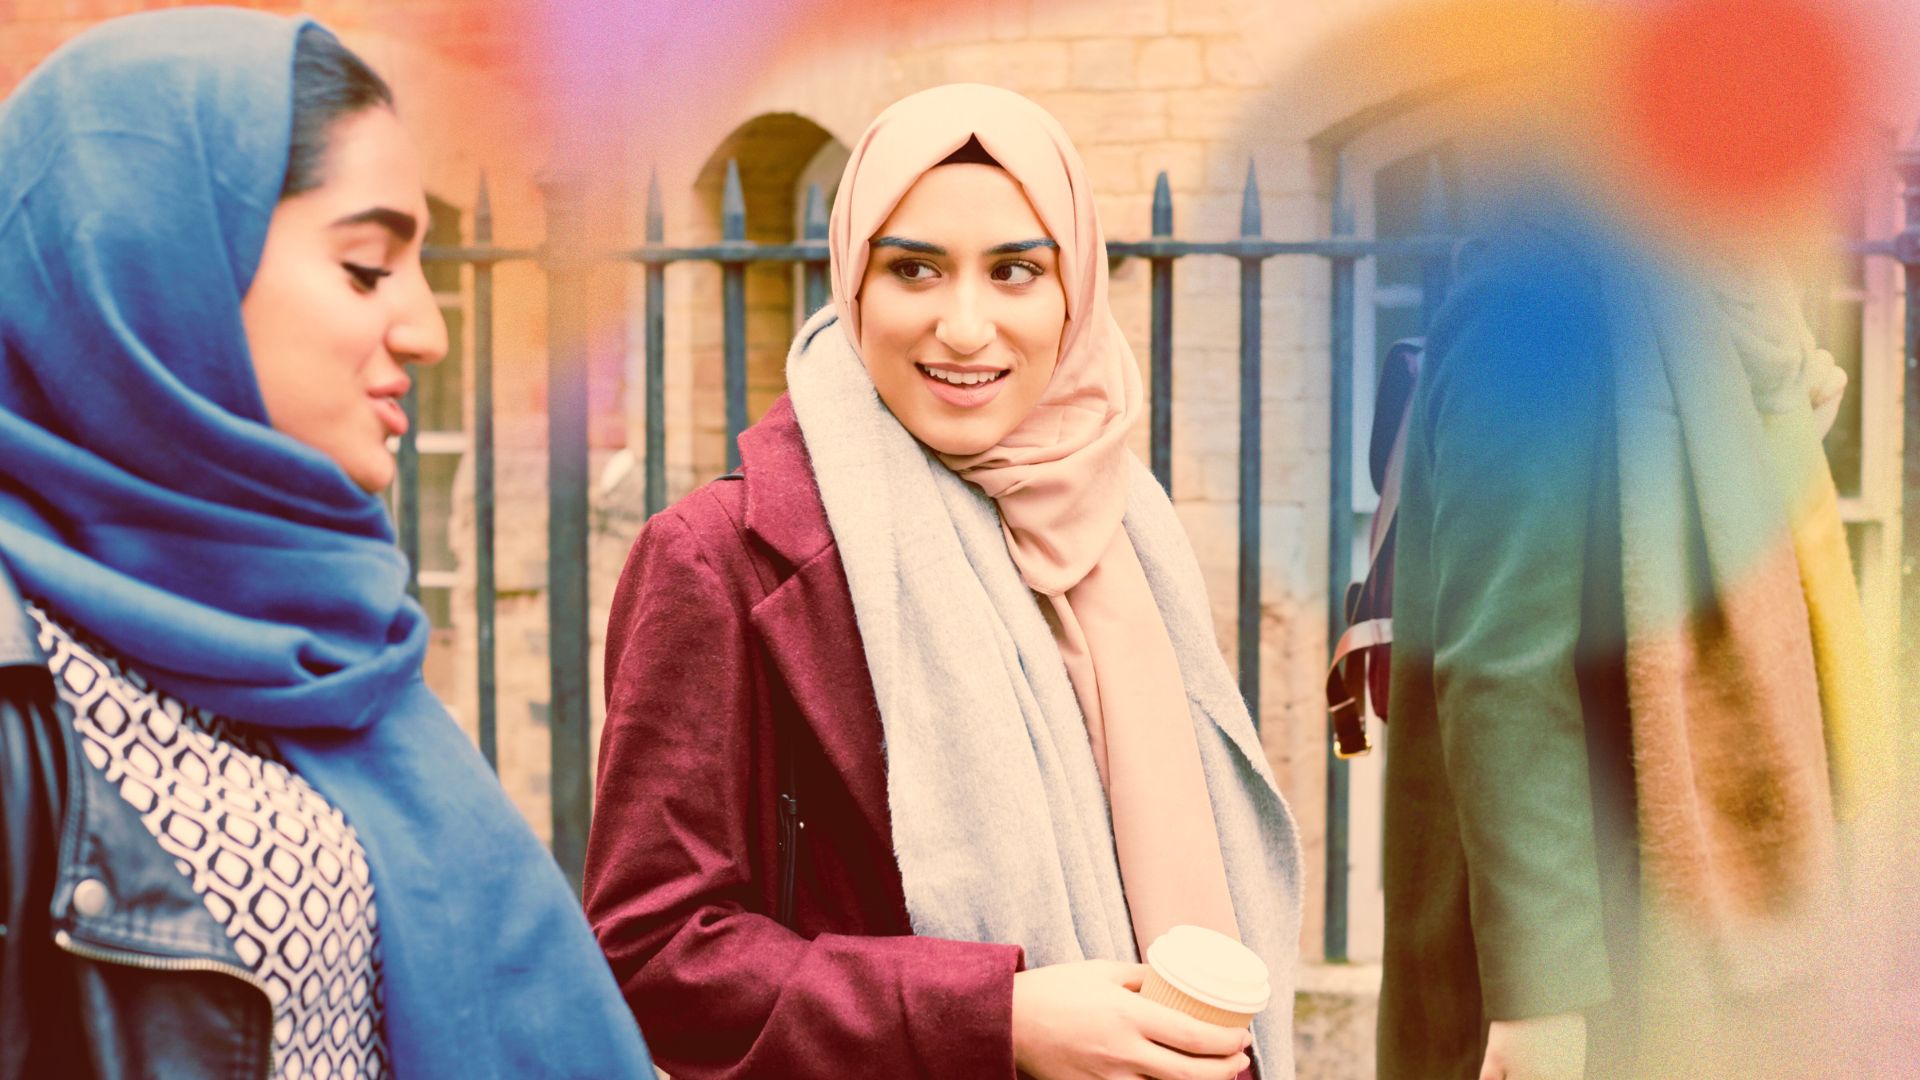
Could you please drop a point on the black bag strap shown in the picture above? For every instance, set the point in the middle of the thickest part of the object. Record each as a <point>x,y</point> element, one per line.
<point>1346,688</point>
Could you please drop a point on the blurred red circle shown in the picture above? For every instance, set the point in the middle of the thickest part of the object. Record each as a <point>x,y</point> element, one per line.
<point>1739,102</point>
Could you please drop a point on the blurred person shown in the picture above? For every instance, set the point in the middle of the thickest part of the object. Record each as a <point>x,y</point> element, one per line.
<point>1631,705</point>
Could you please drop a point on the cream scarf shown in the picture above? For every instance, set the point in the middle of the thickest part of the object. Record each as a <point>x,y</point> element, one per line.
<point>1000,824</point>
<point>1060,482</point>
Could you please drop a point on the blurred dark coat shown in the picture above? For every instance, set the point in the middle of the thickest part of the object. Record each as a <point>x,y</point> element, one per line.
<point>1509,866</point>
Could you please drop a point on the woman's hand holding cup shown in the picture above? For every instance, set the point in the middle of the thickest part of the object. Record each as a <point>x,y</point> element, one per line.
<point>1087,1021</point>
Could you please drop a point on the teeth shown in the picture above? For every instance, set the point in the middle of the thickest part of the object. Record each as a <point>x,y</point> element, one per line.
<point>958,378</point>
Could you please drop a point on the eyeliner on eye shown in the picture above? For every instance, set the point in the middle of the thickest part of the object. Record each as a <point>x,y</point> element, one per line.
<point>366,276</point>
<point>899,267</point>
<point>1034,272</point>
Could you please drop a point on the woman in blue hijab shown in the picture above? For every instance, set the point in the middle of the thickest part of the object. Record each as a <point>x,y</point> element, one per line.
<point>238,835</point>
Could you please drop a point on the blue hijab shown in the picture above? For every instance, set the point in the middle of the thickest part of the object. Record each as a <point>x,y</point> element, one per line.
<point>144,496</point>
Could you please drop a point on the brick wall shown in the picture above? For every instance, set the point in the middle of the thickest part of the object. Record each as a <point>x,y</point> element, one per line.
<point>488,34</point>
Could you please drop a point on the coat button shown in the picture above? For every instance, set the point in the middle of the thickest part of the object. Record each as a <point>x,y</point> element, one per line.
<point>91,899</point>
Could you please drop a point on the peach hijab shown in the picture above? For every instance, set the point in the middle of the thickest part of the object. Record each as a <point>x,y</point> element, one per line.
<point>1060,482</point>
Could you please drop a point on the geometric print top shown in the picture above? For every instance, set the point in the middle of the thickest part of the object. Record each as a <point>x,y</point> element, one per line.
<point>273,860</point>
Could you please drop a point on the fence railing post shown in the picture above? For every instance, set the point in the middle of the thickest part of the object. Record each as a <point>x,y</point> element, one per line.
<point>483,475</point>
<point>733,301</point>
<point>814,274</point>
<point>1160,439</point>
<point>567,520</point>
<point>1250,415</point>
<point>656,372</point>
<point>1339,556</point>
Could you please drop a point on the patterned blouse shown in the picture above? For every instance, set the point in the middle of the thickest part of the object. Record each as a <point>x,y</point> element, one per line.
<point>276,863</point>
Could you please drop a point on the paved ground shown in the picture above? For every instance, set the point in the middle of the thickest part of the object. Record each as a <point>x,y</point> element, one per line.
<point>1333,1017</point>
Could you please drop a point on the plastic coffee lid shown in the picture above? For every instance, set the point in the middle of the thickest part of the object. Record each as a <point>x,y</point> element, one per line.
<point>1211,968</point>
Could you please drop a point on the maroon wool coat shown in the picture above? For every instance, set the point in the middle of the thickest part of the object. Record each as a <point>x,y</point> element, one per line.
<point>733,621</point>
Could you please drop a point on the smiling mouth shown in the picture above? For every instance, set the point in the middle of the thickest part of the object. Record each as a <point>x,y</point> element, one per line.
<point>391,414</point>
<point>965,380</point>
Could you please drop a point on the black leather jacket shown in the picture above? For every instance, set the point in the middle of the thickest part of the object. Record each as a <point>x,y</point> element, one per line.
<point>110,965</point>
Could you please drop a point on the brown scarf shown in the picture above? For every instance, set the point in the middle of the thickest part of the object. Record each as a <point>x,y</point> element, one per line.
<point>1734,803</point>
<point>1743,679</point>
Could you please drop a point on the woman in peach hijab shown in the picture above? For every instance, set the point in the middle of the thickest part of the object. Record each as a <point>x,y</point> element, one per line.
<point>917,730</point>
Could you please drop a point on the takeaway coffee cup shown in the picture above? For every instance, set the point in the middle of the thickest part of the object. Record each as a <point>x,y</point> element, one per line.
<point>1206,975</point>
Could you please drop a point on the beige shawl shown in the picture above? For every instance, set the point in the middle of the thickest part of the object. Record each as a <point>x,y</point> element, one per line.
<point>1060,481</point>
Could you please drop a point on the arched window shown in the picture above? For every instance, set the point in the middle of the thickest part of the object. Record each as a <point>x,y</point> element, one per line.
<point>778,155</point>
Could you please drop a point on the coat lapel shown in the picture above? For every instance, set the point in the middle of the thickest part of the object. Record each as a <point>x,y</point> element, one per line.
<point>806,622</point>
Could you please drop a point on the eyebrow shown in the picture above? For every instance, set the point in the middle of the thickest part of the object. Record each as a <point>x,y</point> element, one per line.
<point>904,244</point>
<point>401,225</point>
<point>924,248</point>
<point>1022,245</point>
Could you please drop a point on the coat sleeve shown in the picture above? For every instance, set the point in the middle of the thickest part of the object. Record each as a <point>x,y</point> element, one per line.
<point>720,988</point>
<point>1515,401</point>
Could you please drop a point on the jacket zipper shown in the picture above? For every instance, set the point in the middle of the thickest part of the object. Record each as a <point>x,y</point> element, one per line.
<point>167,963</point>
<point>789,855</point>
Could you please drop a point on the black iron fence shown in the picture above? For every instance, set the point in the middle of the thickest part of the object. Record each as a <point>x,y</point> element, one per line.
<point>566,255</point>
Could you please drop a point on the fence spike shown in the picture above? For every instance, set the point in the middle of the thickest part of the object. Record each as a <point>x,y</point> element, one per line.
<point>814,224</point>
<point>1433,201</point>
<point>1250,203</point>
<point>482,208</point>
<point>1162,206</point>
<point>656,213</point>
<point>733,205</point>
<point>1909,166</point>
<point>1342,198</point>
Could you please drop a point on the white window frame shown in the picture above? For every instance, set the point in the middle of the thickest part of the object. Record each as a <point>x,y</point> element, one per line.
<point>1876,510</point>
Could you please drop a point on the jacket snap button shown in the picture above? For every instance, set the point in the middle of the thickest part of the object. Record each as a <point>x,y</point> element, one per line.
<point>91,899</point>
